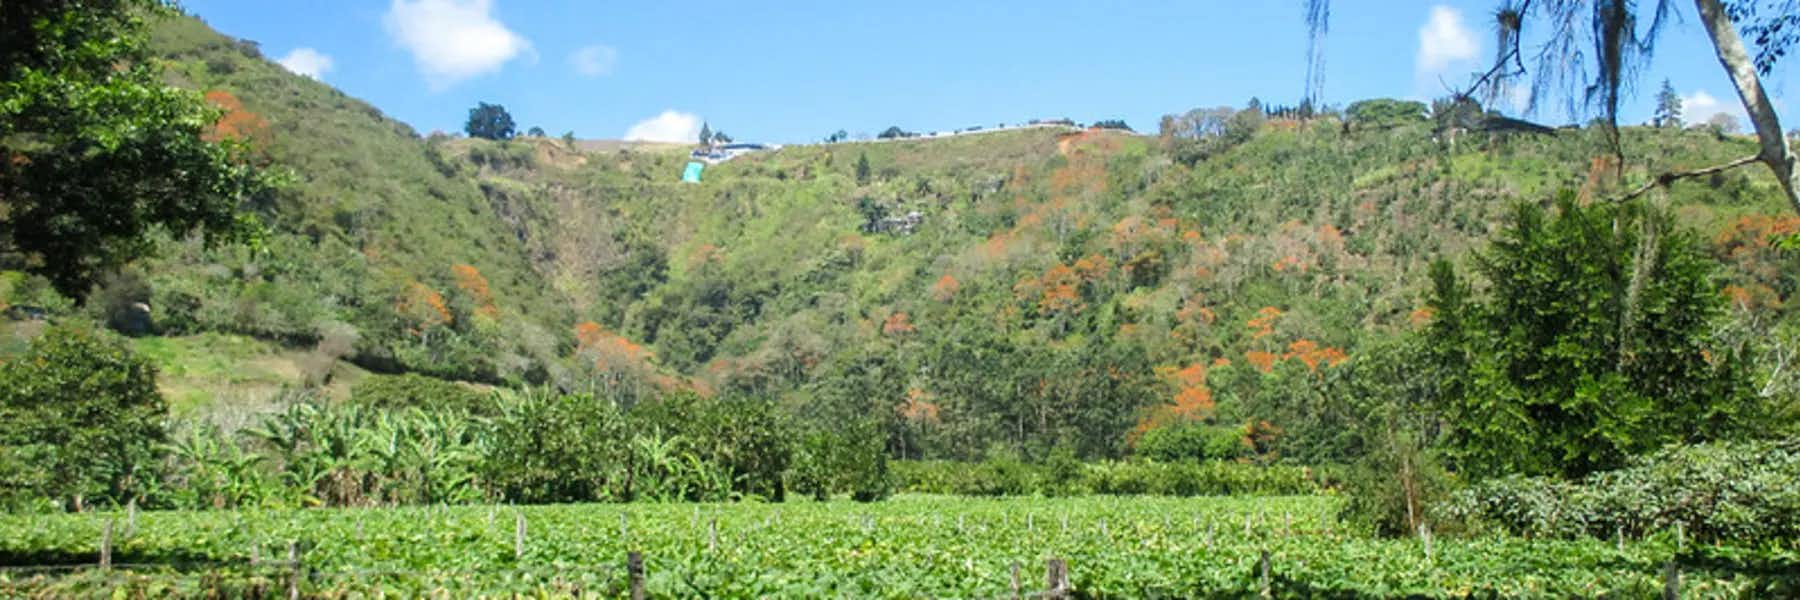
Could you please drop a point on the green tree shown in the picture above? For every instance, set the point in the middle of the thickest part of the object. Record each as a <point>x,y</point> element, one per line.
<point>1668,107</point>
<point>862,168</point>
<point>83,419</point>
<point>706,134</point>
<point>1381,113</point>
<point>96,150</point>
<point>1593,342</point>
<point>489,122</point>
<point>536,131</point>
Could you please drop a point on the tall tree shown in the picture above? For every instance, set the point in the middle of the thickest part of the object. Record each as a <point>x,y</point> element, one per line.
<point>1593,341</point>
<point>1668,107</point>
<point>706,134</point>
<point>490,122</point>
<point>862,168</point>
<point>96,150</point>
<point>1616,46</point>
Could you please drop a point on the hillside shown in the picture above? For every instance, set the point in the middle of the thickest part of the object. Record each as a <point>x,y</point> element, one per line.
<point>1057,289</point>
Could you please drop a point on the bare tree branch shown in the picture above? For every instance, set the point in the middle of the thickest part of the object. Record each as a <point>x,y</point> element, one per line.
<point>1673,176</point>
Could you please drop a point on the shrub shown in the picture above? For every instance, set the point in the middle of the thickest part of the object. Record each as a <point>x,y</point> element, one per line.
<point>1193,442</point>
<point>827,462</point>
<point>417,391</point>
<point>83,419</point>
<point>549,447</point>
<point>1746,492</point>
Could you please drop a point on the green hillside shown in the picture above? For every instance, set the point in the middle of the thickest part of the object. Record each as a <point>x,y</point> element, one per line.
<point>1058,290</point>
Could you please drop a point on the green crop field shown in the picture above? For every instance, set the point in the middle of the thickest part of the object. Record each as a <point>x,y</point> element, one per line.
<point>911,546</point>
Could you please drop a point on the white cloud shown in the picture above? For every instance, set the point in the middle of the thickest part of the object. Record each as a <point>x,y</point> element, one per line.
<point>1700,106</point>
<point>453,40</point>
<point>1444,40</point>
<point>670,126</point>
<point>308,62</point>
<point>594,61</point>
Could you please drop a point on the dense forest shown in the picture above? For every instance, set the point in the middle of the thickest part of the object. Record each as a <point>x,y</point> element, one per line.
<point>1390,287</point>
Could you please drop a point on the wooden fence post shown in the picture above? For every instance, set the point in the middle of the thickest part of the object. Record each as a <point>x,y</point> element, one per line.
<point>1056,578</point>
<point>131,518</point>
<point>1267,589</point>
<point>1425,536</point>
<point>294,577</point>
<point>623,530</point>
<point>518,536</point>
<point>106,542</point>
<point>1017,594</point>
<point>1671,581</point>
<point>712,535</point>
<point>634,568</point>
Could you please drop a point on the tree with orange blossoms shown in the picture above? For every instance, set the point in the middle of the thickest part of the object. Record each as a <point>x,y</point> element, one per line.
<point>897,324</point>
<point>237,123</point>
<point>1191,401</point>
<point>1061,292</point>
<point>470,281</point>
<point>1309,353</point>
<point>1263,361</point>
<point>945,288</point>
<point>422,307</point>
<point>1263,323</point>
<point>621,363</point>
<point>919,408</point>
<point>1092,267</point>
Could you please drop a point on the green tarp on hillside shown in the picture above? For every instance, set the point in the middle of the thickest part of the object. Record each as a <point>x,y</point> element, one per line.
<point>692,173</point>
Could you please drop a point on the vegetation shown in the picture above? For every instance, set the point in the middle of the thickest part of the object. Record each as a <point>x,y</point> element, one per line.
<point>491,122</point>
<point>99,152</point>
<point>84,421</point>
<point>1436,319</point>
<point>907,547</point>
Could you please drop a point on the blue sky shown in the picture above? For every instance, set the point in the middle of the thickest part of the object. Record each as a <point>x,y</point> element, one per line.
<point>796,71</point>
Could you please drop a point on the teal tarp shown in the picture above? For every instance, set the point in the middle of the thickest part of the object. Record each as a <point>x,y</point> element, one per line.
<point>692,173</point>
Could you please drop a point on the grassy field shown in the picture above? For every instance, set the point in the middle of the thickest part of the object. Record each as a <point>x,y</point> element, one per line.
<point>909,547</point>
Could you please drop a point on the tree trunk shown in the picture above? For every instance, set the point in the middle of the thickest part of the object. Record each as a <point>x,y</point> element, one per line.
<point>1730,48</point>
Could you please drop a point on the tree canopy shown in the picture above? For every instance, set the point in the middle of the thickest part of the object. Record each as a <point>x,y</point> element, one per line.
<point>490,122</point>
<point>1592,342</point>
<point>96,151</point>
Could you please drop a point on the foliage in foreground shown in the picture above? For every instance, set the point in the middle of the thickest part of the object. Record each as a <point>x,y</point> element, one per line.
<point>1745,493</point>
<point>82,420</point>
<point>909,547</point>
<point>98,150</point>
